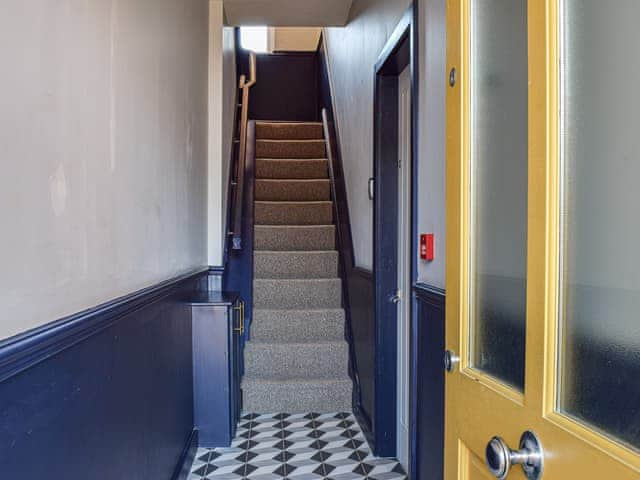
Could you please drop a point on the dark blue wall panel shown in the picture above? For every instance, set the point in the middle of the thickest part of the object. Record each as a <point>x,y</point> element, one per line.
<point>428,376</point>
<point>114,401</point>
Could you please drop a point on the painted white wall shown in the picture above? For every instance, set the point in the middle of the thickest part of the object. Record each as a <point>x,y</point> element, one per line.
<point>353,51</point>
<point>103,140</point>
<point>432,138</point>
<point>222,107</point>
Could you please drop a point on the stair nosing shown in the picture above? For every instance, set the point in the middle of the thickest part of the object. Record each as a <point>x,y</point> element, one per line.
<point>321,343</point>
<point>294,201</point>
<point>285,122</point>
<point>292,140</point>
<point>293,159</point>
<point>293,180</point>
<point>314,309</point>
<point>316,225</point>
<point>297,252</point>
<point>297,279</point>
<point>298,379</point>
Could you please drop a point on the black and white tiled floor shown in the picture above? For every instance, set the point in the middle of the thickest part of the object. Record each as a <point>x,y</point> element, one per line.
<point>300,447</point>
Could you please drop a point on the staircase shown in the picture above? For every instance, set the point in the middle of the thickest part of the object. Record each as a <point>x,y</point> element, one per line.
<point>297,359</point>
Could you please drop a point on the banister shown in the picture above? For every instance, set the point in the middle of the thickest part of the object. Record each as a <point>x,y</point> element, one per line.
<point>238,203</point>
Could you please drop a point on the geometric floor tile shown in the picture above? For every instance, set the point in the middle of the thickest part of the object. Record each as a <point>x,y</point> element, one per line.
<point>295,447</point>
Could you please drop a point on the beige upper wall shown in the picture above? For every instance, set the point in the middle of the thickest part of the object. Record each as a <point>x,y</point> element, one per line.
<point>292,39</point>
<point>103,134</point>
<point>432,137</point>
<point>222,109</point>
<point>287,13</point>
<point>353,52</point>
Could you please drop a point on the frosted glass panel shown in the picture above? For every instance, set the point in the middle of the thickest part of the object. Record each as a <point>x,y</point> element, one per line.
<point>600,142</point>
<point>499,123</point>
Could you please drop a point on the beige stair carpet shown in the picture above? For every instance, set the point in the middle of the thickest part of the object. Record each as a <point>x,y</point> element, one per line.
<point>297,359</point>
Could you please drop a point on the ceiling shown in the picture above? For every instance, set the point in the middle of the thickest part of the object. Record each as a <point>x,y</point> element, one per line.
<point>288,13</point>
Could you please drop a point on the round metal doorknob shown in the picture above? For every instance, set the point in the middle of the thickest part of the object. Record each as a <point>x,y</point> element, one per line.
<point>450,361</point>
<point>500,458</point>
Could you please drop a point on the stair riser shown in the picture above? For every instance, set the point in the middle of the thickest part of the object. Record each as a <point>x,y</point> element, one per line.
<point>292,191</point>
<point>288,265</point>
<point>275,213</point>
<point>282,361</point>
<point>290,149</point>
<point>294,238</point>
<point>293,169</point>
<point>289,131</point>
<point>297,398</point>
<point>297,294</point>
<point>287,326</point>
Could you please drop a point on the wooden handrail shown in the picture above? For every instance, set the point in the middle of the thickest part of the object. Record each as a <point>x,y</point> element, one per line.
<point>245,86</point>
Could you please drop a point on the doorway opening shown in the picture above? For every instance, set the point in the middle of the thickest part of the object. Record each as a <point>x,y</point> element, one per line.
<point>395,124</point>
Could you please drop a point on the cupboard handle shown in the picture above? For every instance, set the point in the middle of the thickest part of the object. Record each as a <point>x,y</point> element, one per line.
<point>240,308</point>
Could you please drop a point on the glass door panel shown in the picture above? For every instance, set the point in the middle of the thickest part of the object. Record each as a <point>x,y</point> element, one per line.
<point>599,382</point>
<point>499,166</point>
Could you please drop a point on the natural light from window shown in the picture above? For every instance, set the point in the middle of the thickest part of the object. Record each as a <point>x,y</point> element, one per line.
<point>255,39</point>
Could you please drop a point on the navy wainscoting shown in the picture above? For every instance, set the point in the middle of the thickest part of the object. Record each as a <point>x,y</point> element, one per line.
<point>106,394</point>
<point>427,384</point>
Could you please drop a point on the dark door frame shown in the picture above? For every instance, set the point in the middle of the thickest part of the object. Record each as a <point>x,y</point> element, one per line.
<point>399,53</point>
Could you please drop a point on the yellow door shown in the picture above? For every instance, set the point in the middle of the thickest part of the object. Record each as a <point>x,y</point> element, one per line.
<point>543,290</point>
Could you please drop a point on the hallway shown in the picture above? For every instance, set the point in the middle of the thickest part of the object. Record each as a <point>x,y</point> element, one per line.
<point>304,446</point>
<point>319,240</point>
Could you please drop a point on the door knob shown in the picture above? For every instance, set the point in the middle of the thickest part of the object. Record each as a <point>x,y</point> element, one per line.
<point>500,458</point>
<point>450,361</point>
<point>397,297</point>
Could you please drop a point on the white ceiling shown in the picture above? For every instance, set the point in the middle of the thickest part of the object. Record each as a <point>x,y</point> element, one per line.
<point>288,13</point>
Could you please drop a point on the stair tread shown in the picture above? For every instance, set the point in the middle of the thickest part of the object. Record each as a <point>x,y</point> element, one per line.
<point>318,212</point>
<point>300,380</point>
<point>319,343</point>
<point>291,140</point>
<point>297,168</point>
<point>298,238</point>
<point>290,147</point>
<point>291,159</point>
<point>299,227</point>
<point>294,202</point>
<point>286,122</point>
<point>292,190</point>
<point>298,310</point>
<point>293,180</point>
<point>294,252</point>
<point>298,280</point>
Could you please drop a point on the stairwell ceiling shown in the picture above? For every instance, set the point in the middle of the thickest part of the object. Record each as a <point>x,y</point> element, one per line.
<point>288,13</point>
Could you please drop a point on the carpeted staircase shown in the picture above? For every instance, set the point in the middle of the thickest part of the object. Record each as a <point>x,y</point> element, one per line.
<point>297,359</point>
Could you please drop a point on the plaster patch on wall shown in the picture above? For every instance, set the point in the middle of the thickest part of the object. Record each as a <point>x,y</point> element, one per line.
<point>58,191</point>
